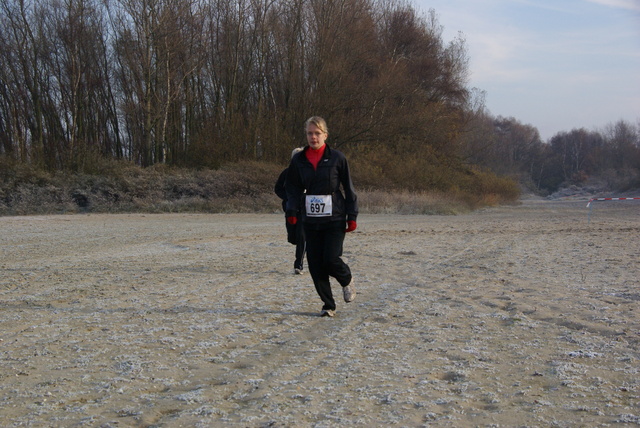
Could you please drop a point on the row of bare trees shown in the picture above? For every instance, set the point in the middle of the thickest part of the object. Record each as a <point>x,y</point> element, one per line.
<point>509,147</point>
<point>203,82</point>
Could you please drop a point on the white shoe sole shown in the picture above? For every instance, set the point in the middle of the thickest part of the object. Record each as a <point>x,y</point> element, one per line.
<point>349,292</point>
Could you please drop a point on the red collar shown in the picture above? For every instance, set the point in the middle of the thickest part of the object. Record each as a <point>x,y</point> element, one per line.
<point>314,156</point>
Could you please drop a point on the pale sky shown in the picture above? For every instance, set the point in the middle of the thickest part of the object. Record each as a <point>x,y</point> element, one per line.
<point>553,64</point>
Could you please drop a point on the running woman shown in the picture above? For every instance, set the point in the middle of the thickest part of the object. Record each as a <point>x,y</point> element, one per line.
<point>319,187</point>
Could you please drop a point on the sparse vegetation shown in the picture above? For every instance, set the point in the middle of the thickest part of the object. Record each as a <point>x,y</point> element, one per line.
<point>120,186</point>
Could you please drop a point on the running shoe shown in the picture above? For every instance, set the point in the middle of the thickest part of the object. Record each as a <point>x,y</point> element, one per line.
<point>349,292</point>
<point>327,313</point>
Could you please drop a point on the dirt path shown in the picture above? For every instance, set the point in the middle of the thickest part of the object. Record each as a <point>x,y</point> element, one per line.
<point>515,316</point>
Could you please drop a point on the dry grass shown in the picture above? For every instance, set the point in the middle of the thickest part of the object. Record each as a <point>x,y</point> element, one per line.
<point>404,202</point>
<point>117,187</point>
<point>243,188</point>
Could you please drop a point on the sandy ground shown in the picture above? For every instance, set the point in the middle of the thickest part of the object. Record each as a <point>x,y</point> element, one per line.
<point>514,316</point>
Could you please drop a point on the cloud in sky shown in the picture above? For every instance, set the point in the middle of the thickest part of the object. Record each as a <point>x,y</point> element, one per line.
<point>555,65</point>
<point>622,4</point>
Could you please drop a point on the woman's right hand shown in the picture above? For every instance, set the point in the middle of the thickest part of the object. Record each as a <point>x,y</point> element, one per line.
<point>292,220</point>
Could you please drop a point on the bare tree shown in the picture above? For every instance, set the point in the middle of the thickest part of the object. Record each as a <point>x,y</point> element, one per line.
<point>24,48</point>
<point>623,143</point>
<point>205,82</point>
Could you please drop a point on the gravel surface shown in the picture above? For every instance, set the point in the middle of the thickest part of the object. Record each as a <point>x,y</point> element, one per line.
<point>514,316</point>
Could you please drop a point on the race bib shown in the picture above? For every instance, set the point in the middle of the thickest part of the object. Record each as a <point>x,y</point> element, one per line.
<point>319,205</point>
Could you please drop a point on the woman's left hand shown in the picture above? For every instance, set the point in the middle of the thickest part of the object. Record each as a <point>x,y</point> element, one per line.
<point>351,226</point>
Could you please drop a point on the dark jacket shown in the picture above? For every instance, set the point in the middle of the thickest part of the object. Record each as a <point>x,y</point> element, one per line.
<point>293,231</point>
<point>332,177</point>
<point>280,188</point>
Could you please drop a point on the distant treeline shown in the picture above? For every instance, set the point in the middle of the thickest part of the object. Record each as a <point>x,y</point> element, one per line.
<point>507,147</point>
<point>204,83</point>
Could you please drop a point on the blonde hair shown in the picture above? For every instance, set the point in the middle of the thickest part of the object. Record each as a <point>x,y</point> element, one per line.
<point>317,121</point>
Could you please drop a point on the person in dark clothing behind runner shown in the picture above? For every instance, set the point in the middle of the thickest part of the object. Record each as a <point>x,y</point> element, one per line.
<point>321,172</point>
<point>295,232</point>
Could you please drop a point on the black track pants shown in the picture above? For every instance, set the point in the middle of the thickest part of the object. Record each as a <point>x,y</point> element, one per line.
<point>324,251</point>
<point>301,247</point>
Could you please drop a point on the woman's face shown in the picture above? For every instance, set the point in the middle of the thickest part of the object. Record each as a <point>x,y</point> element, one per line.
<point>315,137</point>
